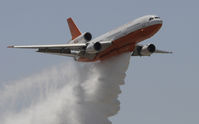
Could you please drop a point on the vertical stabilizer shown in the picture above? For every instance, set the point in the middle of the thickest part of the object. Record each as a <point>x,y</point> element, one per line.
<point>73,28</point>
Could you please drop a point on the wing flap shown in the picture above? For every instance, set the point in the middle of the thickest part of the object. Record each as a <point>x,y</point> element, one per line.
<point>61,52</point>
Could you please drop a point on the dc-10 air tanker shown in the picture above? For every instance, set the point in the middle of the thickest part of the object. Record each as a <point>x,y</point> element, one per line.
<point>121,40</point>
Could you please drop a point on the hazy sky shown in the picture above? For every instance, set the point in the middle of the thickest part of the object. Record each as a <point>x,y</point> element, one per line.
<point>160,89</point>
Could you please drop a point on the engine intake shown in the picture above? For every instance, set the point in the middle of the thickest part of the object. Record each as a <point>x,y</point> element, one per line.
<point>151,48</point>
<point>145,50</point>
<point>83,38</point>
<point>97,46</point>
<point>87,36</point>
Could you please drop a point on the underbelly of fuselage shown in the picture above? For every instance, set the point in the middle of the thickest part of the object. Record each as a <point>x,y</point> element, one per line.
<point>125,44</point>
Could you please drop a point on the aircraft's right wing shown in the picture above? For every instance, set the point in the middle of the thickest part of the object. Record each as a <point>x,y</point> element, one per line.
<point>59,49</point>
<point>78,46</point>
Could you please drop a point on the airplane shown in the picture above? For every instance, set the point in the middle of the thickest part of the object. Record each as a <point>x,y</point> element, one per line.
<point>121,40</point>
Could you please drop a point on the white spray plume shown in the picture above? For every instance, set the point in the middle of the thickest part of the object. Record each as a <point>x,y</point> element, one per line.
<point>71,93</point>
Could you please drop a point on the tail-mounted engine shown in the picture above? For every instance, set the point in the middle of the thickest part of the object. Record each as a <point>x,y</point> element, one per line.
<point>83,38</point>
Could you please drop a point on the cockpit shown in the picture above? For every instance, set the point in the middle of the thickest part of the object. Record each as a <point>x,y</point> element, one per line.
<point>152,18</point>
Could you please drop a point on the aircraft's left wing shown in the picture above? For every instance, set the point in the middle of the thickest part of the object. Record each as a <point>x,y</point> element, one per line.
<point>162,51</point>
<point>59,49</point>
<point>147,50</point>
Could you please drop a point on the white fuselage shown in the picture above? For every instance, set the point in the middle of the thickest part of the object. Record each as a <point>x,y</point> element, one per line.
<point>132,26</point>
<point>141,24</point>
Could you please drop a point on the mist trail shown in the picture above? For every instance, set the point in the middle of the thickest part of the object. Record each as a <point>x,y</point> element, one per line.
<point>71,93</point>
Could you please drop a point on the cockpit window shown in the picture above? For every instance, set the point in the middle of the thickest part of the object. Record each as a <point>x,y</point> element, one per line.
<point>150,19</point>
<point>157,17</point>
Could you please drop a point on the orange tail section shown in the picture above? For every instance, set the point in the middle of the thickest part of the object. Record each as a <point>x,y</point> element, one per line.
<point>73,28</point>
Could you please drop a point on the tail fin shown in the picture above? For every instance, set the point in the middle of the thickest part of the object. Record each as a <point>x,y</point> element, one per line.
<point>73,28</point>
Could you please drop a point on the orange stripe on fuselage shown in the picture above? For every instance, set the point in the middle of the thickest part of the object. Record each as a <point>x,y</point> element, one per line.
<point>125,44</point>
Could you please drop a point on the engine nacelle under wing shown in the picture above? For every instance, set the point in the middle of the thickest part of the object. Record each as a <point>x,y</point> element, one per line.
<point>97,46</point>
<point>145,50</point>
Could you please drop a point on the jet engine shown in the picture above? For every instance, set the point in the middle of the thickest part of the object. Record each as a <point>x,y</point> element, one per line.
<point>97,46</point>
<point>85,37</point>
<point>145,50</point>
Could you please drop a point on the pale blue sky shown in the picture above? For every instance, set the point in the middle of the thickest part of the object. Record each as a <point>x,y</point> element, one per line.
<point>159,89</point>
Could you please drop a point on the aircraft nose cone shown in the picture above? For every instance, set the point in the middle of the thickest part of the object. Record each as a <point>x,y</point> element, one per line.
<point>158,21</point>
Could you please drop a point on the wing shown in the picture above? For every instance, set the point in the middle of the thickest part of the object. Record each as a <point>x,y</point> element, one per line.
<point>162,51</point>
<point>78,46</point>
<point>58,49</point>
